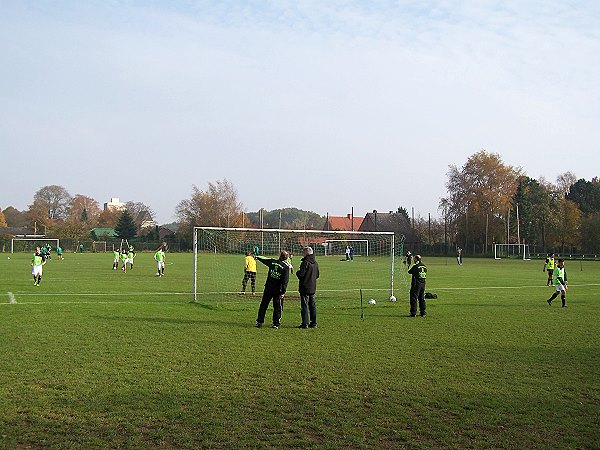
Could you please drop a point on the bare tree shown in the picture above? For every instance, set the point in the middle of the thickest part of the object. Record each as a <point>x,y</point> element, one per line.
<point>217,206</point>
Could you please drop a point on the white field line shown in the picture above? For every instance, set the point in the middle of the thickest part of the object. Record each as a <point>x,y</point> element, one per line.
<point>12,299</point>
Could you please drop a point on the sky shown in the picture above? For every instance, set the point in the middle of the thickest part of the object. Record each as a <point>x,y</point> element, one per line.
<point>315,104</point>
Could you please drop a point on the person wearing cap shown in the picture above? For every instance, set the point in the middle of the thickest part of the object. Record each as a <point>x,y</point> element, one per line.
<point>417,287</point>
<point>275,287</point>
<point>307,285</point>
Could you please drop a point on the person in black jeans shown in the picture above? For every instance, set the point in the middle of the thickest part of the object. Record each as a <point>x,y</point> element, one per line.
<point>417,287</point>
<point>275,287</point>
<point>307,275</point>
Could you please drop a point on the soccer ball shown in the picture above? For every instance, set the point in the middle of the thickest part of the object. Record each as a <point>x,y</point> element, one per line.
<point>157,274</point>
<point>372,302</point>
<point>392,298</point>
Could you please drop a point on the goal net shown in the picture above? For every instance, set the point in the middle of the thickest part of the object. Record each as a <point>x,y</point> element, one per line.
<point>514,251</point>
<point>102,246</point>
<point>29,244</point>
<point>219,257</point>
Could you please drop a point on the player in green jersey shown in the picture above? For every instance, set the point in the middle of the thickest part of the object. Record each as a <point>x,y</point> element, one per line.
<point>116,258</point>
<point>559,278</point>
<point>37,262</point>
<point>159,257</point>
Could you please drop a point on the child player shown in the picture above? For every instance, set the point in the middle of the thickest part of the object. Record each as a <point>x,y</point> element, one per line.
<point>36,266</point>
<point>159,257</point>
<point>124,260</point>
<point>560,283</point>
<point>116,257</point>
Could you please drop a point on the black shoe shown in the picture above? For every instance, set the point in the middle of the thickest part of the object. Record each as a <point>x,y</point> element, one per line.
<point>302,326</point>
<point>564,306</point>
<point>549,302</point>
<point>412,315</point>
<point>258,325</point>
<point>313,325</point>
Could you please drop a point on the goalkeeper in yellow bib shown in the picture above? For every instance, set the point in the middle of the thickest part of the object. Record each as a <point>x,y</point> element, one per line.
<point>159,257</point>
<point>249,273</point>
<point>559,278</point>
<point>549,267</point>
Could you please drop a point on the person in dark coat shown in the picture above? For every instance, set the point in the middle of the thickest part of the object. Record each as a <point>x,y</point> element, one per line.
<point>417,287</point>
<point>275,287</point>
<point>307,285</point>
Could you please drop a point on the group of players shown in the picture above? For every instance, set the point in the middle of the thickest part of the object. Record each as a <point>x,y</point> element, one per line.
<point>126,255</point>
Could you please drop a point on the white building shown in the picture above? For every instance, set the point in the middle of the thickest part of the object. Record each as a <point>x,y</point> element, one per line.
<point>115,203</point>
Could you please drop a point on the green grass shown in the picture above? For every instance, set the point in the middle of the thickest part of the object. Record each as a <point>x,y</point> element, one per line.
<point>95,358</point>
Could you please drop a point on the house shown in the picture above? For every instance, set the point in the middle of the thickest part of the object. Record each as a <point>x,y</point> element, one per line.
<point>391,221</point>
<point>342,223</point>
<point>145,221</point>
<point>164,231</point>
<point>101,234</point>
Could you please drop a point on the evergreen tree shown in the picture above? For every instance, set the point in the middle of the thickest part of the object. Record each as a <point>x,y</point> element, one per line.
<point>126,228</point>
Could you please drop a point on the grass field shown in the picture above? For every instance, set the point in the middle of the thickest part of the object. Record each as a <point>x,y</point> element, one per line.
<point>95,358</point>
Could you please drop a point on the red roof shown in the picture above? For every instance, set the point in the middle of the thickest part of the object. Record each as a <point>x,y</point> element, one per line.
<point>343,223</point>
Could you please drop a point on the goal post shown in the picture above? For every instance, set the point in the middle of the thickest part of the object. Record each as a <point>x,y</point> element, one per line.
<point>29,244</point>
<point>512,251</point>
<point>218,260</point>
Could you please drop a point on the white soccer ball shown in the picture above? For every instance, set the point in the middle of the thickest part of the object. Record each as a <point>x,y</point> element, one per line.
<point>392,298</point>
<point>157,274</point>
<point>372,302</point>
<point>9,257</point>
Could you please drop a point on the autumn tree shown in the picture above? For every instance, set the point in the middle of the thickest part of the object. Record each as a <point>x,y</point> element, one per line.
<point>84,209</point>
<point>50,204</point>
<point>479,198</point>
<point>217,206</point>
<point>14,217</point>
<point>2,219</point>
<point>108,218</point>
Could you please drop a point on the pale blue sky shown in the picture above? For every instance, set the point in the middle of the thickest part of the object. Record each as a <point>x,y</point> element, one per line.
<point>320,105</point>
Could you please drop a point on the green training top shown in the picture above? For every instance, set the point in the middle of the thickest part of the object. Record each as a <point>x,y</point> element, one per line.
<point>558,275</point>
<point>159,256</point>
<point>37,260</point>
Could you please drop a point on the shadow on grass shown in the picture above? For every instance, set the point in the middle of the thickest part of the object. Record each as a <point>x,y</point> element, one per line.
<point>166,320</point>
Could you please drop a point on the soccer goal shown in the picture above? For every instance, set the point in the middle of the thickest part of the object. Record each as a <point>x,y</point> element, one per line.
<point>29,244</point>
<point>514,251</point>
<point>102,246</point>
<point>219,253</point>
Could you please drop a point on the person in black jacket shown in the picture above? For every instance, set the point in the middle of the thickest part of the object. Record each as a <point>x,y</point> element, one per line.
<point>275,287</point>
<point>307,275</point>
<point>417,287</point>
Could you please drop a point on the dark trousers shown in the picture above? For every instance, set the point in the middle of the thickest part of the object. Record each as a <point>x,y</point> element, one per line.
<point>417,294</point>
<point>269,295</point>
<point>308,307</point>
<point>249,276</point>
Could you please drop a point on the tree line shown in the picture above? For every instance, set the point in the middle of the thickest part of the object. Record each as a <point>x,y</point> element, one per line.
<point>487,202</point>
